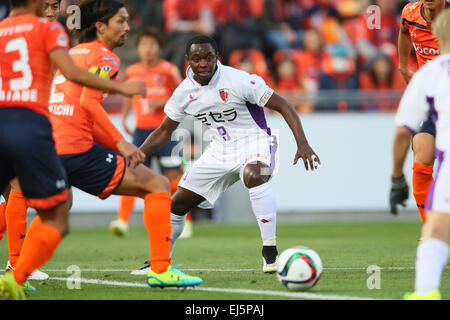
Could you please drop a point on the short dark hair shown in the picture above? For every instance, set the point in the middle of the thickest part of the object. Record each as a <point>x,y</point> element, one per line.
<point>201,39</point>
<point>18,3</point>
<point>153,33</point>
<point>93,11</point>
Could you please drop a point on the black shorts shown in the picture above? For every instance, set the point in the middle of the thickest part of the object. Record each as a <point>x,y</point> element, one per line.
<point>97,171</point>
<point>27,151</point>
<point>165,159</point>
<point>428,126</point>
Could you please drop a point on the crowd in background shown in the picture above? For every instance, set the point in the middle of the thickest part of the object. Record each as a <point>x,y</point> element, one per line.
<point>302,48</point>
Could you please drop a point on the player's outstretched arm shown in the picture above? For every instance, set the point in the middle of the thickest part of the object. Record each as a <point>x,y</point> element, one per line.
<point>404,51</point>
<point>159,137</point>
<point>62,60</point>
<point>89,100</point>
<point>126,108</point>
<point>399,187</point>
<point>304,151</point>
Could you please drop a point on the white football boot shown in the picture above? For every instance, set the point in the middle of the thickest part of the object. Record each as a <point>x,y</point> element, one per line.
<point>143,270</point>
<point>270,267</point>
<point>188,231</point>
<point>119,228</point>
<point>35,275</point>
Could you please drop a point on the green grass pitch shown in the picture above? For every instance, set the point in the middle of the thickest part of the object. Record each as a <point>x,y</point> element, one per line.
<point>228,258</point>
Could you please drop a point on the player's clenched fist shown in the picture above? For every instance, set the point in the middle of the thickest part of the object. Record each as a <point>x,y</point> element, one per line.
<point>131,152</point>
<point>310,158</point>
<point>132,88</point>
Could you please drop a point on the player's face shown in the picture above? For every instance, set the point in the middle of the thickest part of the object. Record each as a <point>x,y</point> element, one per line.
<point>202,59</point>
<point>148,49</point>
<point>116,31</point>
<point>433,4</point>
<point>51,9</point>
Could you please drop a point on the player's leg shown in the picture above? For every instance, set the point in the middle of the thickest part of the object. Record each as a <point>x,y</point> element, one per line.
<point>183,201</point>
<point>5,194</point>
<point>16,224</point>
<point>143,182</point>
<point>423,147</point>
<point>432,256</point>
<point>171,167</point>
<point>16,221</point>
<point>432,253</point>
<point>126,203</point>
<point>43,180</point>
<point>256,177</point>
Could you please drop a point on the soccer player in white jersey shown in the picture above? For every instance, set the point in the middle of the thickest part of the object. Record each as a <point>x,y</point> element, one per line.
<point>230,103</point>
<point>428,92</point>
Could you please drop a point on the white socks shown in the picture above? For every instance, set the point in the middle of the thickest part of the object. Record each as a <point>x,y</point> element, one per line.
<point>177,222</point>
<point>265,210</point>
<point>431,259</point>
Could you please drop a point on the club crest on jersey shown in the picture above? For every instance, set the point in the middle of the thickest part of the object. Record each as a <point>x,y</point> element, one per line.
<point>224,94</point>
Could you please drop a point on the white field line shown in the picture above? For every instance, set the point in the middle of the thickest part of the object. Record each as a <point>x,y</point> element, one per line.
<point>301,295</point>
<point>235,270</point>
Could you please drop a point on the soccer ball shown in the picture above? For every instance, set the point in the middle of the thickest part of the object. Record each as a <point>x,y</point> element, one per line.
<point>299,268</point>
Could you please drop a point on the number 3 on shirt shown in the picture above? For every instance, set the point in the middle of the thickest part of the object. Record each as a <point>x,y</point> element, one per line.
<point>21,65</point>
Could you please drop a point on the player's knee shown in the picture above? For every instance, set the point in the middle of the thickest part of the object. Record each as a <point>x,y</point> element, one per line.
<point>179,207</point>
<point>437,226</point>
<point>423,147</point>
<point>256,174</point>
<point>161,184</point>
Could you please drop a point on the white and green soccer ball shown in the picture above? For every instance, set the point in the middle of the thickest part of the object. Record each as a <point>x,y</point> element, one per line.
<point>299,268</point>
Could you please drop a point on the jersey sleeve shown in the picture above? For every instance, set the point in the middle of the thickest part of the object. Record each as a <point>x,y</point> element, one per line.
<point>55,37</point>
<point>415,103</point>
<point>106,67</point>
<point>255,90</point>
<point>174,108</point>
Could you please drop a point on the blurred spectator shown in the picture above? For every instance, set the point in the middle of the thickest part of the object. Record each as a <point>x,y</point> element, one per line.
<point>289,83</point>
<point>283,22</point>
<point>4,9</point>
<point>338,74</point>
<point>310,59</point>
<point>251,61</point>
<point>237,28</point>
<point>183,19</point>
<point>368,42</point>
<point>150,12</point>
<point>381,76</point>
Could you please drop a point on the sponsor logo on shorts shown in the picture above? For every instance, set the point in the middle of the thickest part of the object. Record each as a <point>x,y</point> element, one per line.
<point>109,158</point>
<point>60,184</point>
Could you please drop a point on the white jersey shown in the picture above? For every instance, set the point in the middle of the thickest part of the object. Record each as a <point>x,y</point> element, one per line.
<point>231,105</point>
<point>428,94</point>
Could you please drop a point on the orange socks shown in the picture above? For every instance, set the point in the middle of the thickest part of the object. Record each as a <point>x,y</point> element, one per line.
<point>16,220</point>
<point>39,246</point>
<point>2,219</point>
<point>126,204</point>
<point>157,222</point>
<point>422,178</point>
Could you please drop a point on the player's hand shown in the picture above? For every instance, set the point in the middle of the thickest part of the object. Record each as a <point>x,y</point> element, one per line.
<point>310,158</point>
<point>132,88</point>
<point>133,154</point>
<point>399,193</point>
<point>407,74</point>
